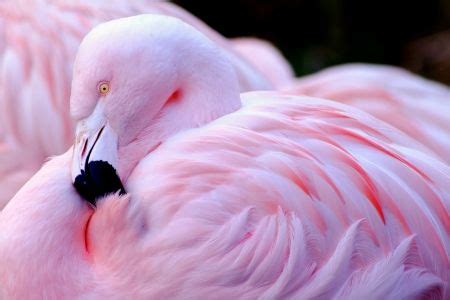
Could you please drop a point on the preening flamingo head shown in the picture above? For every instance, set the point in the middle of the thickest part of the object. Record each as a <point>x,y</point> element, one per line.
<point>137,81</point>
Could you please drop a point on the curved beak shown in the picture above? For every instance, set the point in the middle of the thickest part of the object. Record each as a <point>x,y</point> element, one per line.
<point>94,162</point>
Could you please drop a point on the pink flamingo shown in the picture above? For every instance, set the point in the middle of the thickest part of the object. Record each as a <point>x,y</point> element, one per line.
<point>416,106</point>
<point>254,195</point>
<point>38,43</point>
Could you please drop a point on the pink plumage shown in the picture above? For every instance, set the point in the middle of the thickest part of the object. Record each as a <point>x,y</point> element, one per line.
<point>254,195</point>
<point>416,106</point>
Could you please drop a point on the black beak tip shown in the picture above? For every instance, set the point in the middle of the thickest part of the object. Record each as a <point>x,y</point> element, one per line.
<point>98,180</point>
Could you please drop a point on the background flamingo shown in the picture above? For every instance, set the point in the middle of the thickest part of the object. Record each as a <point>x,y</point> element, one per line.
<point>38,42</point>
<point>285,197</point>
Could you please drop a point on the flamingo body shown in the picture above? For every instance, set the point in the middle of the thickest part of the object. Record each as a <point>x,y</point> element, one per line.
<point>304,198</point>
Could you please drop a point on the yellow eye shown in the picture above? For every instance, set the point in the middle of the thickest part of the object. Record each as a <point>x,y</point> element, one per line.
<point>103,88</point>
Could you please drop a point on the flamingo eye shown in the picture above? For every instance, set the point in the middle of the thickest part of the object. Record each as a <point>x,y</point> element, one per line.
<point>103,88</point>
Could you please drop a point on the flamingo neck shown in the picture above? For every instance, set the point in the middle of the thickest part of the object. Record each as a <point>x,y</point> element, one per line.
<point>207,88</point>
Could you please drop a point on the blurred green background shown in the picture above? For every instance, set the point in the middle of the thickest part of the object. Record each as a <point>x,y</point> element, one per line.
<point>314,34</point>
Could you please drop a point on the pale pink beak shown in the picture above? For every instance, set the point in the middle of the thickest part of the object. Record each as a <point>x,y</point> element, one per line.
<point>100,145</point>
<point>94,162</point>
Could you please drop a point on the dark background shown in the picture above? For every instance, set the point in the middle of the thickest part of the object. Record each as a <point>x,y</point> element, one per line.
<point>314,34</point>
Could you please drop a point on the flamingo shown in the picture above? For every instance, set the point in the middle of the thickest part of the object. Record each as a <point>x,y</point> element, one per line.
<point>416,106</point>
<point>38,43</point>
<point>216,194</point>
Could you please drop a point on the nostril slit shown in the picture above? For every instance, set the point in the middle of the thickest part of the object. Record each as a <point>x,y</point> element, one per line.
<point>84,148</point>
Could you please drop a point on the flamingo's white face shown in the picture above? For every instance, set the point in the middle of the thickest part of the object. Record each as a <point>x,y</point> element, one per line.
<point>113,99</point>
<point>119,86</point>
<point>130,91</point>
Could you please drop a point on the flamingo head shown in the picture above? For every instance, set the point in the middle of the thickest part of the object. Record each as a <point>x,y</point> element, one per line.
<point>137,81</point>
